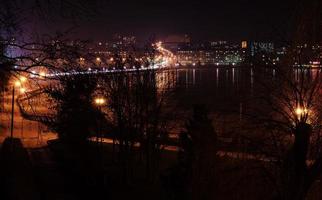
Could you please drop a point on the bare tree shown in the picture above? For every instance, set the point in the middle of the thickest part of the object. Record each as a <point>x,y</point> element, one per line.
<point>137,102</point>
<point>291,116</point>
<point>285,116</point>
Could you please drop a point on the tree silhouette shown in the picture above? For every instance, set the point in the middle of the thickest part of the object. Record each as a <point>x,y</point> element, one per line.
<point>198,154</point>
<point>285,115</point>
<point>76,115</point>
<point>137,102</point>
<point>285,121</point>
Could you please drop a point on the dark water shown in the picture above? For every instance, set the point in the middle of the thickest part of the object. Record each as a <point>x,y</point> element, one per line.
<point>217,88</point>
<point>227,88</point>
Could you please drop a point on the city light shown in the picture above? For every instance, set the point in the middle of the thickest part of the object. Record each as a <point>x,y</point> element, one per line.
<point>244,44</point>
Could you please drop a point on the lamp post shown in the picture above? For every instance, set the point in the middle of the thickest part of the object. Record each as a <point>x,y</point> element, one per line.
<point>99,102</point>
<point>99,61</point>
<point>302,113</point>
<point>17,83</point>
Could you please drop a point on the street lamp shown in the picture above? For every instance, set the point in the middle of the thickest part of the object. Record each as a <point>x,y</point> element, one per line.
<point>99,102</point>
<point>16,84</point>
<point>98,60</point>
<point>301,111</point>
<point>23,79</point>
<point>42,74</point>
<point>22,90</point>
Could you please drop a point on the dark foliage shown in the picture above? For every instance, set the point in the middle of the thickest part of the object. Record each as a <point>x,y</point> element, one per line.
<point>194,176</point>
<point>76,116</point>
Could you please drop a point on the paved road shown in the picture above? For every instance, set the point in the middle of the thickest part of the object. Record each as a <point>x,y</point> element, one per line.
<point>33,134</point>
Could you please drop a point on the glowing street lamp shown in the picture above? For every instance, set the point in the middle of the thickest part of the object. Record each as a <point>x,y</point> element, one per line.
<point>302,114</point>
<point>22,90</point>
<point>99,101</point>
<point>81,61</point>
<point>16,84</point>
<point>42,74</point>
<point>23,79</point>
<point>98,60</point>
<point>300,111</point>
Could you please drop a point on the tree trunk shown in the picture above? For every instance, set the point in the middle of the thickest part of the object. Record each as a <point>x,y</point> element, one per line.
<point>295,173</point>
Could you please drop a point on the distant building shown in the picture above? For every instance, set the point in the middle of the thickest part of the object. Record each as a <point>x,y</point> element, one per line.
<point>307,55</point>
<point>261,47</point>
<point>210,53</point>
<point>122,42</point>
<point>173,42</point>
<point>262,53</point>
<point>244,44</point>
<point>218,43</point>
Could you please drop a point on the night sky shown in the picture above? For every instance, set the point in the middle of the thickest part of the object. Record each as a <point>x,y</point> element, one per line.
<point>202,20</point>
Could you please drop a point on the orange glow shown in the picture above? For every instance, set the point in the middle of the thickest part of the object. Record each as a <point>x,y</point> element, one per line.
<point>22,90</point>
<point>43,74</point>
<point>244,44</point>
<point>100,101</point>
<point>17,83</point>
<point>300,111</point>
<point>23,79</point>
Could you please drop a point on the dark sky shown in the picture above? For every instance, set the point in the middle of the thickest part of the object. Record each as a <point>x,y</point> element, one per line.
<point>217,19</point>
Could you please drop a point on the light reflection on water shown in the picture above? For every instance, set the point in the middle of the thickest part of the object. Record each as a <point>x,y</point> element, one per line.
<point>225,87</point>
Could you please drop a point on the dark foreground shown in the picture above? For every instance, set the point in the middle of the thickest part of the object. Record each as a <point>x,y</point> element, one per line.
<point>61,172</point>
